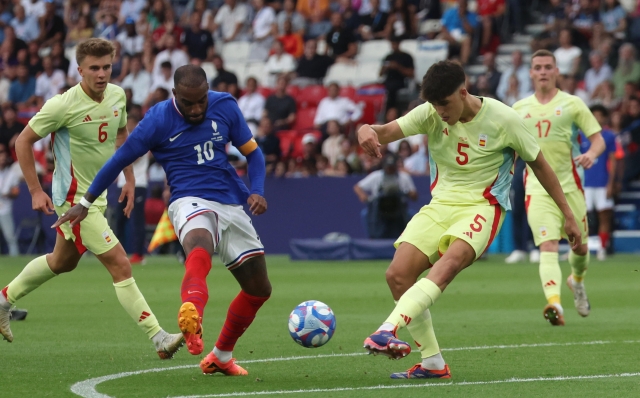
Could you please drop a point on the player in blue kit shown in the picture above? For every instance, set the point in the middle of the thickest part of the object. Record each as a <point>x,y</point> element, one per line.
<point>187,136</point>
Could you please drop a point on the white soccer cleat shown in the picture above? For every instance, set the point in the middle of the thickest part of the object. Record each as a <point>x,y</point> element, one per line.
<point>516,256</point>
<point>5,317</point>
<point>601,255</point>
<point>579,296</point>
<point>534,256</point>
<point>171,343</point>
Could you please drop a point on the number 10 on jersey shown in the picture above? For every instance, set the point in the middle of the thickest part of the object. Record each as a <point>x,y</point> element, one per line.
<point>207,151</point>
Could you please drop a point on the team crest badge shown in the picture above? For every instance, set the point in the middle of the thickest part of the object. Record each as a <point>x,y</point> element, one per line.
<point>559,111</point>
<point>482,141</point>
<point>106,237</point>
<point>543,231</point>
<point>115,111</point>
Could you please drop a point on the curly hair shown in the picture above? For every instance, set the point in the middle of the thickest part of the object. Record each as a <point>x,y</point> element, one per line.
<point>441,80</point>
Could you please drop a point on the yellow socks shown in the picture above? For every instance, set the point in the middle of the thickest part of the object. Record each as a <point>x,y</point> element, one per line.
<point>421,330</point>
<point>414,302</point>
<point>551,276</point>
<point>578,266</point>
<point>32,276</point>
<point>136,306</point>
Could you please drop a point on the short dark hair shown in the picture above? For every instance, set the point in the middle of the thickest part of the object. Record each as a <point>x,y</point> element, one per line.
<point>599,108</point>
<point>441,80</point>
<point>544,53</point>
<point>166,64</point>
<point>191,76</point>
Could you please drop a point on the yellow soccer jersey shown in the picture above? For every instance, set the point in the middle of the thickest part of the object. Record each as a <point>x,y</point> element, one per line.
<point>472,163</point>
<point>556,125</point>
<point>83,138</point>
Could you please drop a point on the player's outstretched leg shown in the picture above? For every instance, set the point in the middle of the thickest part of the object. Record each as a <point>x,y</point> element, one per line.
<point>551,275</point>
<point>256,290</point>
<point>576,282</point>
<point>195,294</point>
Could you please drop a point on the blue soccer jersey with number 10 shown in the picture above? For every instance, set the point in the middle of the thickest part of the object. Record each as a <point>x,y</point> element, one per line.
<point>194,157</point>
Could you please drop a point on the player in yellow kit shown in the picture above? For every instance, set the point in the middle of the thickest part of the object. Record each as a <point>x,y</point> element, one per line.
<point>556,119</point>
<point>472,146</point>
<point>87,124</point>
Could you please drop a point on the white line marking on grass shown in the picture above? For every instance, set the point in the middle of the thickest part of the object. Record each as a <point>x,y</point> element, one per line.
<point>394,386</point>
<point>87,388</point>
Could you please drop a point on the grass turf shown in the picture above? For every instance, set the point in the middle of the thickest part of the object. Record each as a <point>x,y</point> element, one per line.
<point>76,330</point>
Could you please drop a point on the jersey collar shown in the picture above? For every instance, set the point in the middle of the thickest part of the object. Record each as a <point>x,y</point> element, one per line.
<point>173,101</point>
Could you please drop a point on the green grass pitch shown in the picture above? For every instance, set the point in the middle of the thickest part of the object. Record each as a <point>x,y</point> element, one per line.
<point>76,330</point>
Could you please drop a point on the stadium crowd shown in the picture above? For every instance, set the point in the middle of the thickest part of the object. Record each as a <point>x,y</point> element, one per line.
<point>304,123</point>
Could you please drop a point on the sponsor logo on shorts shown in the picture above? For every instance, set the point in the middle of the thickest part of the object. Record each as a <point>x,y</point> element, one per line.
<point>543,231</point>
<point>106,237</point>
<point>482,142</point>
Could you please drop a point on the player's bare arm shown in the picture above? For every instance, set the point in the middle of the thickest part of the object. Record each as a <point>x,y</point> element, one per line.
<point>597,147</point>
<point>24,150</point>
<point>550,183</point>
<point>129,188</point>
<point>371,137</point>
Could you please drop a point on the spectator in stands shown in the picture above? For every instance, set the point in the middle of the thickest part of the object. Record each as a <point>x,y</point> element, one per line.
<point>138,80</point>
<point>340,40</point>
<point>119,64</point>
<point>332,145</point>
<point>262,30</point>
<point>232,19</point>
<point>333,107</point>
<point>10,128</point>
<point>307,8</point>
<point>630,139</point>
<point>130,10</point>
<point>166,29</point>
<point>585,21</point>
<point>458,25</point>
<point>569,84</point>
<point>312,67</point>
<point>14,43</point>
<point>598,73</point>
<point>349,15</point>
<point>34,63</point>
<point>106,25</point>
<point>132,43</point>
<point>349,154</point>
<point>386,193</point>
<point>198,42</point>
<point>418,162</point>
<point>251,104</point>
<point>614,18</point>
<point>280,107</point>
<point>513,94</point>
<point>269,143</point>
<point>491,14</point>
<point>373,24</point>
<point>174,55</point>
<point>225,81</point>
<point>164,80</point>
<point>522,73</point>
<point>58,58</point>
<point>9,190</point>
<point>567,55</point>
<point>604,95</point>
<point>291,41</point>
<point>397,68</point>
<point>25,27</point>
<point>5,84</point>
<point>23,89</point>
<point>555,19</point>
<point>37,8</point>
<point>82,31</point>
<point>310,153</point>
<point>51,26</point>
<point>298,23</point>
<point>279,63</point>
<point>402,21</point>
<point>49,83</point>
<point>318,26</point>
<point>628,69</point>
<point>492,74</point>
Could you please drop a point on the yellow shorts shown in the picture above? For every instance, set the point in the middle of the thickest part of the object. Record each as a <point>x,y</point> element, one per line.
<point>436,226</point>
<point>546,219</point>
<point>93,233</point>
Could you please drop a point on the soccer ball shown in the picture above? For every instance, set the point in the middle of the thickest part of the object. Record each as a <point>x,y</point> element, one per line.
<point>311,324</point>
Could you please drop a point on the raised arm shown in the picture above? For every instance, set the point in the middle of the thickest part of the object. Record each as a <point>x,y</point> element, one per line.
<point>371,137</point>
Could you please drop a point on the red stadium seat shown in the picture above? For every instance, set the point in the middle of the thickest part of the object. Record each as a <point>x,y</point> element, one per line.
<point>304,119</point>
<point>264,91</point>
<point>293,91</point>
<point>374,104</point>
<point>287,141</point>
<point>348,91</point>
<point>310,96</point>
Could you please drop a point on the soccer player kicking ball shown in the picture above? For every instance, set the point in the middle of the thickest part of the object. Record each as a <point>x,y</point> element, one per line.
<point>556,118</point>
<point>87,123</point>
<point>187,136</point>
<point>472,144</point>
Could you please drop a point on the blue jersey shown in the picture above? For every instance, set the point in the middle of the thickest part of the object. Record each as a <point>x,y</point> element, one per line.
<point>193,157</point>
<point>598,175</point>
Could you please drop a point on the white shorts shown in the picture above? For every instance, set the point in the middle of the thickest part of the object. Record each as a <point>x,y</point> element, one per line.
<point>597,199</point>
<point>234,237</point>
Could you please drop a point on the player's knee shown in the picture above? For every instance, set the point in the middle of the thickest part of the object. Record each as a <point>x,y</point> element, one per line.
<point>198,239</point>
<point>582,250</point>
<point>61,265</point>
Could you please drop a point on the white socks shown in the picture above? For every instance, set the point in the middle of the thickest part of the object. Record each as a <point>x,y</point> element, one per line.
<point>434,362</point>
<point>223,356</point>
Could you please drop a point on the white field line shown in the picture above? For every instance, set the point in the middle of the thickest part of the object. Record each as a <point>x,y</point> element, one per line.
<point>87,388</point>
<point>394,386</point>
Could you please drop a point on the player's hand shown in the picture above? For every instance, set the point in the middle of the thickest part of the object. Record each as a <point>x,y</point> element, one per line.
<point>128,192</point>
<point>257,204</point>
<point>368,140</point>
<point>40,201</point>
<point>574,235</point>
<point>75,214</point>
<point>585,160</point>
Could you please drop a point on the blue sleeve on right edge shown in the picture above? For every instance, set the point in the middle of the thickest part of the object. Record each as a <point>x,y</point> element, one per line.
<point>257,171</point>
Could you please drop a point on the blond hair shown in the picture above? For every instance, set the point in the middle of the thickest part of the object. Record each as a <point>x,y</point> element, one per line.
<point>94,47</point>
